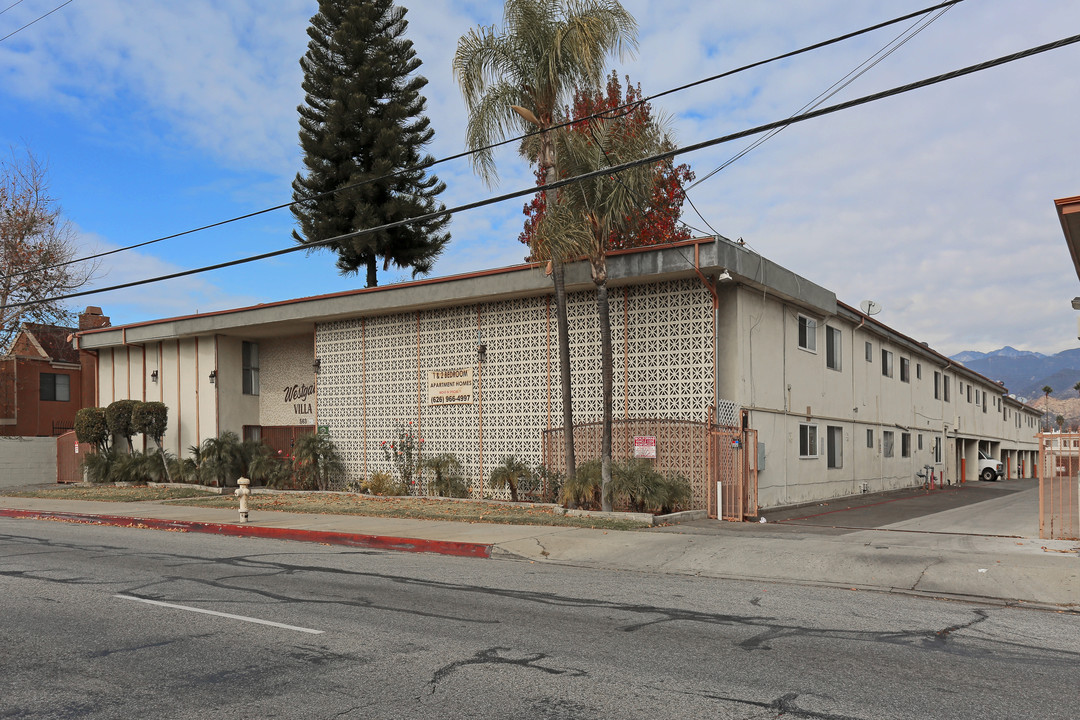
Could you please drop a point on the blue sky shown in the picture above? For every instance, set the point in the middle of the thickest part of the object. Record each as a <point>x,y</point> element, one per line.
<point>158,117</point>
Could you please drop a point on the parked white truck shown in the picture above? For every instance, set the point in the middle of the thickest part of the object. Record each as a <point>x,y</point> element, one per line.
<point>989,468</point>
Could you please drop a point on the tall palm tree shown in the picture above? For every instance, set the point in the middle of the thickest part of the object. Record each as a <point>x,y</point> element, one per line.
<point>586,215</point>
<point>515,79</point>
<point>1046,391</point>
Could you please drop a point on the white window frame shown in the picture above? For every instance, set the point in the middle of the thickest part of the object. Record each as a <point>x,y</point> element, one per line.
<point>888,442</point>
<point>886,363</point>
<point>807,339</point>
<point>834,346</point>
<point>808,441</point>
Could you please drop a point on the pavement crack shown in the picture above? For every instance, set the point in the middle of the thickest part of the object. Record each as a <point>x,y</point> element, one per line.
<point>918,580</point>
<point>543,550</point>
<point>785,706</point>
<point>943,635</point>
<point>492,656</point>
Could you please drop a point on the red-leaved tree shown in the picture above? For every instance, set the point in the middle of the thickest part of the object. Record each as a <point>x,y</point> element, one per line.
<point>656,220</point>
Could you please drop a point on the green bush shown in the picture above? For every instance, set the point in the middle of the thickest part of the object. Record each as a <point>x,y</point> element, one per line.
<point>638,485</point>
<point>584,489</point>
<point>262,466</point>
<point>219,461</point>
<point>511,473</point>
<point>118,418</point>
<point>91,427</point>
<point>150,419</point>
<point>317,462</point>
<point>447,480</point>
<point>383,483</point>
<point>98,466</point>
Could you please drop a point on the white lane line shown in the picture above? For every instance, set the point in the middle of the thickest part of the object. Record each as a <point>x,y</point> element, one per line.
<point>221,614</point>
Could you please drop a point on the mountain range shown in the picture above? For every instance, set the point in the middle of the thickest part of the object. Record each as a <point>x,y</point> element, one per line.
<point>1025,373</point>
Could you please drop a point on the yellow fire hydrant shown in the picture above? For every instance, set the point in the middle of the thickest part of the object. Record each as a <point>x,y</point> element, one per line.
<point>242,492</point>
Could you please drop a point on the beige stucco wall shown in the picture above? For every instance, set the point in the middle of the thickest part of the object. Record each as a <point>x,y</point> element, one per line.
<point>287,393</point>
<point>785,386</point>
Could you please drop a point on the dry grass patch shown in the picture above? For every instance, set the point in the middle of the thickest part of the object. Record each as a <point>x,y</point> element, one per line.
<point>110,493</point>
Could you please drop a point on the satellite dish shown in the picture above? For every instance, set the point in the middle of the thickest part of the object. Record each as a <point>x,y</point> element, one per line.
<point>870,307</point>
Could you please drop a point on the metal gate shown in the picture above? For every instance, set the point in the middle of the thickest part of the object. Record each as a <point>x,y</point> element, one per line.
<point>69,456</point>
<point>733,460</point>
<point>1059,486</point>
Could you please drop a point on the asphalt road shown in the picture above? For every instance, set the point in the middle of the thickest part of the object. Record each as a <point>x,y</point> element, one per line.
<point>307,631</point>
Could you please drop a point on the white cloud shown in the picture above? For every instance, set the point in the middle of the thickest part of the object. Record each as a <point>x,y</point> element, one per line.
<point>937,203</point>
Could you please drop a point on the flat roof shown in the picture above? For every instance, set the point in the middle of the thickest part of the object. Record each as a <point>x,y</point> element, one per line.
<point>1068,210</point>
<point>708,256</point>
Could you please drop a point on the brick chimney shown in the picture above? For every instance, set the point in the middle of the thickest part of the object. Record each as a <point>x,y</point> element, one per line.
<point>92,318</point>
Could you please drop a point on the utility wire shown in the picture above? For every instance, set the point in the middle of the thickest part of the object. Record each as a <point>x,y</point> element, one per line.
<point>32,21</point>
<point>899,90</point>
<point>895,44</point>
<point>458,156</point>
<point>10,6</point>
<point>864,67</point>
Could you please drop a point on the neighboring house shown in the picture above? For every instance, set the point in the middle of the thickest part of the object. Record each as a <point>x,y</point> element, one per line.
<point>840,402</point>
<point>1068,210</point>
<point>44,380</point>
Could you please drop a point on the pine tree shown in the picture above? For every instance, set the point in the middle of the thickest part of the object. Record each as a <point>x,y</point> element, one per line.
<point>362,120</point>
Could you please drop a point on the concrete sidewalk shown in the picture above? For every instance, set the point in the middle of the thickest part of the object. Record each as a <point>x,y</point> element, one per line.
<point>891,557</point>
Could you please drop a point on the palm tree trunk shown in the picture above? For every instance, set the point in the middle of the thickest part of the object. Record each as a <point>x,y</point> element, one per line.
<point>562,324</point>
<point>603,316</point>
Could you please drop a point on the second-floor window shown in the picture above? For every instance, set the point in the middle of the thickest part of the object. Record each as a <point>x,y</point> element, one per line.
<point>250,352</point>
<point>807,333</point>
<point>832,347</point>
<point>55,387</point>
<point>886,363</point>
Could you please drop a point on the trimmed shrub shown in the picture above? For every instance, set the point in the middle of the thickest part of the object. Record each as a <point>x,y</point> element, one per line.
<point>118,418</point>
<point>91,427</point>
<point>150,419</point>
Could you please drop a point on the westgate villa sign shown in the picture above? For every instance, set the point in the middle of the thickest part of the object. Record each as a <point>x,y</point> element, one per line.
<point>300,396</point>
<point>450,387</point>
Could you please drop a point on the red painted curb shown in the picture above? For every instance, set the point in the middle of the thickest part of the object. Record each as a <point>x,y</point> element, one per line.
<point>378,542</point>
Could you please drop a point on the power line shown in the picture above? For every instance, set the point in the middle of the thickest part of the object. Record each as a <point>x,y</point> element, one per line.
<point>892,46</point>
<point>899,90</point>
<point>32,21</point>
<point>10,6</point>
<point>895,44</point>
<point>458,156</point>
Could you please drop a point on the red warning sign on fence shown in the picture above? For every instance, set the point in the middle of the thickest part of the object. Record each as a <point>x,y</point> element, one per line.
<point>645,446</point>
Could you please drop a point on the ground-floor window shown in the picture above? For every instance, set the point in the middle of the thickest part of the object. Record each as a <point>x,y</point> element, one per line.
<point>905,444</point>
<point>808,441</point>
<point>835,446</point>
<point>887,439</point>
<point>870,438</point>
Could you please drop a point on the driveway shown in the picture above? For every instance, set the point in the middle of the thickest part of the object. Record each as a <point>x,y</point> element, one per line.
<point>1007,508</point>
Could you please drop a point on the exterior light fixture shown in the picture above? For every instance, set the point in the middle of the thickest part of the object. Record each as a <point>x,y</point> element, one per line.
<point>153,376</point>
<point>481,351</point>
<point>213,377</point>
<point>725,276</point>
<point>317,365</point>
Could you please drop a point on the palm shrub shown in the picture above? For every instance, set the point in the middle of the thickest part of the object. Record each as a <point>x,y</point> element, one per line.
<point>637,483</point>
<point>220,460</point>
<point>511,473</point>
<point>583,489</point>
<point>447,480</point>
<point>317,462</point>
<point>97,466</point>
<point>261,465</point>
